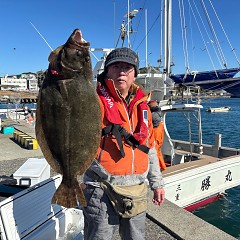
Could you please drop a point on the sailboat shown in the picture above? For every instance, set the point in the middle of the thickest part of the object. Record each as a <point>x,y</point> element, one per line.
<point>198,173</point>
<point>216,79</point>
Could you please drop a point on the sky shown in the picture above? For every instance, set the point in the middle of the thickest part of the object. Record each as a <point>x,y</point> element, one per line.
<point>30,29</point>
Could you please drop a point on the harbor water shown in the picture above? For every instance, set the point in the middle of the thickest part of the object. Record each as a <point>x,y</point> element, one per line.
<point>223,213</point>
<point>12,107</point>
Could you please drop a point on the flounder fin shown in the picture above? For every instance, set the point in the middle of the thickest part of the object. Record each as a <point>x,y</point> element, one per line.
<point>53,55</point>
<point>69,197</point>
<point>43,142</point>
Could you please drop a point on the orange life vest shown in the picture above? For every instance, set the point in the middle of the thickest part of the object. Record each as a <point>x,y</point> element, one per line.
<point>135,119</point>
<point>159,137</point>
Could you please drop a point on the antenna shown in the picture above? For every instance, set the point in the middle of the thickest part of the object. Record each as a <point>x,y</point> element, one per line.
<point>42,37</point>
<point>129,15</point>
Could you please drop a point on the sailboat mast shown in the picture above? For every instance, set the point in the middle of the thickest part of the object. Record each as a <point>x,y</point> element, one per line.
<point>167,36</point>
<point>128,31</point>
<point>146,38</point>
<point>167,41</point>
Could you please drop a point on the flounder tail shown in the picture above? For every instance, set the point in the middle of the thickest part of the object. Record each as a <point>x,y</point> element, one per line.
<point>69,197</point>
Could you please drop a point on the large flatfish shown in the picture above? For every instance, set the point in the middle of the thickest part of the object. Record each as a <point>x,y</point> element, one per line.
<point>68,118</point>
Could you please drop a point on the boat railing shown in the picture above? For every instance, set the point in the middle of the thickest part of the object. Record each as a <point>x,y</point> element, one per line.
<point>215,150</point>
<point>187,94</point>
<point>191,112</point>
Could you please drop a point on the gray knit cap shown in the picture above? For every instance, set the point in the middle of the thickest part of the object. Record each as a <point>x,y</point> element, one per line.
<point>123,55</point>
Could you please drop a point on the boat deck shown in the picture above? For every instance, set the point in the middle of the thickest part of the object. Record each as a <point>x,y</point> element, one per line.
<point>179,168</point>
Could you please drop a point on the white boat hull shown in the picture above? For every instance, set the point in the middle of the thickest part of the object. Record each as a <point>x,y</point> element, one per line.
<point>198,183</point>
<point>29,215</point>
<point>220,109</point>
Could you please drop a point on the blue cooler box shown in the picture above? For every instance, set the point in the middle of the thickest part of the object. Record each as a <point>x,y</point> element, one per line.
<point>7,130</point>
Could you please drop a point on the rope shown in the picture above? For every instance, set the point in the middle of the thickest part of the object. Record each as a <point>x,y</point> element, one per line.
<point>139,22</point>
<point>192,42</point>
<point>233,50</point>
<point>147,32</point>
<point>185,36</point>
<point>212,43</point>
<point>216,88</point>
<point>228,86</point>
<point>214,35</point>
<point>183,27</point>
<point>205,45</point>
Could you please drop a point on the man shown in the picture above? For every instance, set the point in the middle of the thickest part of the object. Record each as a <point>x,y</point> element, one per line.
<point>126,156</point>
<point>158,130</point>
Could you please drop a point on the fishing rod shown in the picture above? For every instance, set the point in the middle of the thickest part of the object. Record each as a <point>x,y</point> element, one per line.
<point>51,47</point>
<point>42,36</point>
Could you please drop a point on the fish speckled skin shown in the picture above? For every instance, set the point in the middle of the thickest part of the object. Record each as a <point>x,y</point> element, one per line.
<point>68,118</point>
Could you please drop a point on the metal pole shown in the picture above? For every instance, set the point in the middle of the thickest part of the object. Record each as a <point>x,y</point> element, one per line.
<point>129,45</point>
<point>146,38</point>
<point>167,40</point>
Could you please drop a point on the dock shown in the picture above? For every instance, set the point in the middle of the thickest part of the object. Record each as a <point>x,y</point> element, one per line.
<point>25,96</point>
<point>166,222</point>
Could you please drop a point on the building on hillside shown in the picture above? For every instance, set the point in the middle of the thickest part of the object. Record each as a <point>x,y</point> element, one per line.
<point>22,82</point>
<point>32,81</point>
<point>13,83</point>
